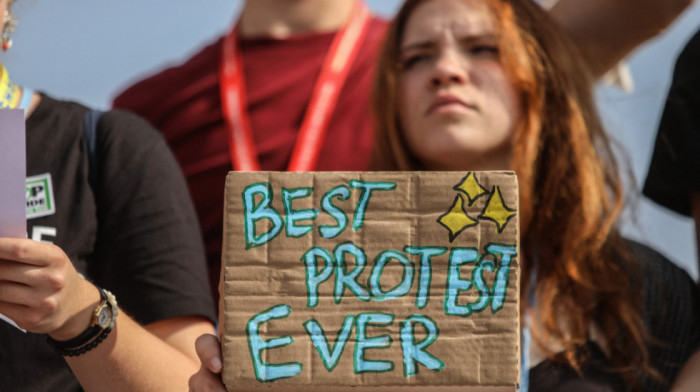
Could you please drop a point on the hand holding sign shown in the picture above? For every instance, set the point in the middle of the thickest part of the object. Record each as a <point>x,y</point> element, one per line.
<point>41,290</point>
<point>208,378</point>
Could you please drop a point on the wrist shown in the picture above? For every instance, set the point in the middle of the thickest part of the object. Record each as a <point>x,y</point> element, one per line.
<point>80,320</point>
<point>102,322</point>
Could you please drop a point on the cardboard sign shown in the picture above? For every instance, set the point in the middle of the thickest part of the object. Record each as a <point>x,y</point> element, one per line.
<point>351,281</point>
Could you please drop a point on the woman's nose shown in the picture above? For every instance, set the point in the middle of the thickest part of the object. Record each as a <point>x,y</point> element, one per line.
<point>450,67</point>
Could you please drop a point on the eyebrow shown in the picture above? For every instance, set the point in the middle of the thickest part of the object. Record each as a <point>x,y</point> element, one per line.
<point>428,44</point>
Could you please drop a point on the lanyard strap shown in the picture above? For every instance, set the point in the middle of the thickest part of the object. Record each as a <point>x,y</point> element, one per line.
<point>27,94</point>
<point>13,96</point>
<point>9,92</point>
<point>324,97</point>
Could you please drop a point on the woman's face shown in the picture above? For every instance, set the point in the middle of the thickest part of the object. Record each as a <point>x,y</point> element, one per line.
<point>457,107</point>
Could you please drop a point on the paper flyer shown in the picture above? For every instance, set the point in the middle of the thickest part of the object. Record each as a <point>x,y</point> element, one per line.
<point>13,197</point>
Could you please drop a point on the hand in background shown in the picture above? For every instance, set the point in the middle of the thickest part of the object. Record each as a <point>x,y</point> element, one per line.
<point>208,378</point>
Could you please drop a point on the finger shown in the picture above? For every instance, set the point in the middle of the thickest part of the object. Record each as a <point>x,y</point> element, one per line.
<point>29,318</point>
<point>18,272</point>
<point>205,381</point>
<point>17,293</point>
<point>16,313</point>
<point>209,352</point>
<point>27,251</point>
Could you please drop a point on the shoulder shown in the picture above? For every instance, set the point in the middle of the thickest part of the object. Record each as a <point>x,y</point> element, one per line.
<point>669,295</point>
<point>56,112</point>
<point>153,92</point>
<point>689,59</point>
<point>369,49</point>
<point>653,264</point>
<point>55,126</point>
<point>375,34</point>
<point>378,27</point>
<point>125,125</point>
<point>670,310</point>
<point>668,292</point>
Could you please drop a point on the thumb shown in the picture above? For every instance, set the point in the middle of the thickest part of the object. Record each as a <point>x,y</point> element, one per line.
<point>209,352</point>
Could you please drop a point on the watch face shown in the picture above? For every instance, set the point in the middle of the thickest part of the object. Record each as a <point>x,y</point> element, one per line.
<point>104,318</point>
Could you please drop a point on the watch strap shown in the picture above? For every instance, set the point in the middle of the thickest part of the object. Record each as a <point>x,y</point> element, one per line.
<point>93,334</point>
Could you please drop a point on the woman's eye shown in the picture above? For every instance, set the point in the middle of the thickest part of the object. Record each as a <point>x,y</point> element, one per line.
<point>484,50</point>
<point>411,61</point>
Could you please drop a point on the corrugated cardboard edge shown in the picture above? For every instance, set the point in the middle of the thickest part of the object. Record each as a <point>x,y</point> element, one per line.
<point>335,388</point>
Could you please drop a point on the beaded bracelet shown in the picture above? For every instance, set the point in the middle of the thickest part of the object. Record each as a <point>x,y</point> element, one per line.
<point>82,350</point>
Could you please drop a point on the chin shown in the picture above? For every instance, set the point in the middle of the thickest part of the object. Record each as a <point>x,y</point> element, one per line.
<point>458,155</point>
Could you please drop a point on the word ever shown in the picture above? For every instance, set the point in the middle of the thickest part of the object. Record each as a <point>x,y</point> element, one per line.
<point>413,352</point>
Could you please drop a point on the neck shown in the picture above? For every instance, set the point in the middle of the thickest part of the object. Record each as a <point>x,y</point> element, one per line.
<point>36,98</point>
<point>282,18</point>
<point>496,160</point>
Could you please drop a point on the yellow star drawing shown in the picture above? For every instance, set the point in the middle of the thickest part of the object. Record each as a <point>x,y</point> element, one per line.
<point>497,211</point>
<point>456,219</point>
<point>471,187</point>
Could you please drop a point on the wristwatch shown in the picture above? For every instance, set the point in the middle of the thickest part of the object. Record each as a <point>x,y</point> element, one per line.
<point>106,312</point>
<point>103,318</point>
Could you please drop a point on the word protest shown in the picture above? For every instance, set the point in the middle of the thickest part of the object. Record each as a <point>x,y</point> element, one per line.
<point>344,280</point>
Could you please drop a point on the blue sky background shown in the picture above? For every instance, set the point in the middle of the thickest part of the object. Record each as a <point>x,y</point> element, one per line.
<point>88,50</point>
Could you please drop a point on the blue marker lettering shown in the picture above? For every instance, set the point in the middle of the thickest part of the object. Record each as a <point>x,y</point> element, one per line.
<point>313,277</point>
<point>292,216</point>
<point>343,193</point>
<point>455,285</point>
<point>362,343</point>
<point>415,352</point>
<point>367,188</point>
<point>253,213</point>
<point>266,372</point>
<point>426,253</point>
<point>349,280</point>
<point>330,357</point>
<point>406,281</point>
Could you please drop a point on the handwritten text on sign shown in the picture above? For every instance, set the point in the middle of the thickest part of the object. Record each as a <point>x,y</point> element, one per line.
<point>490,271</point>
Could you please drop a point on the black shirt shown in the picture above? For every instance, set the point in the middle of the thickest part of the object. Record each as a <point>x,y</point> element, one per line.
<point>671,314</point>
<point>136,235</point>
<point>675,166</point>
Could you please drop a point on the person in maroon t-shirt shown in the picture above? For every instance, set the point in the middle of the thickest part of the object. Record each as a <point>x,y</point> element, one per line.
<point>283,45</point>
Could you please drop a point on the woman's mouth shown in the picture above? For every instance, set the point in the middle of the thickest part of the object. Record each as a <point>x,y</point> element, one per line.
<point>448,104</point>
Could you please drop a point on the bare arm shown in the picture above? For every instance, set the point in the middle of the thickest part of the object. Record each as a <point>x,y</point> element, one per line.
<point>42,292</point>
<point>608,30</point>
<point>133,359</point>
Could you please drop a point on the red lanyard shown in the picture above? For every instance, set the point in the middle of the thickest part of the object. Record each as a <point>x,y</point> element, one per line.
<point>324,97</point>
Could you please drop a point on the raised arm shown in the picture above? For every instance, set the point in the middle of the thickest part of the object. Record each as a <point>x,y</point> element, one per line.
<point>608,30</point>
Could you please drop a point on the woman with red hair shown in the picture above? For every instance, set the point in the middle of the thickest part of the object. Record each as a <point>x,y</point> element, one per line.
<point>494,85</point>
